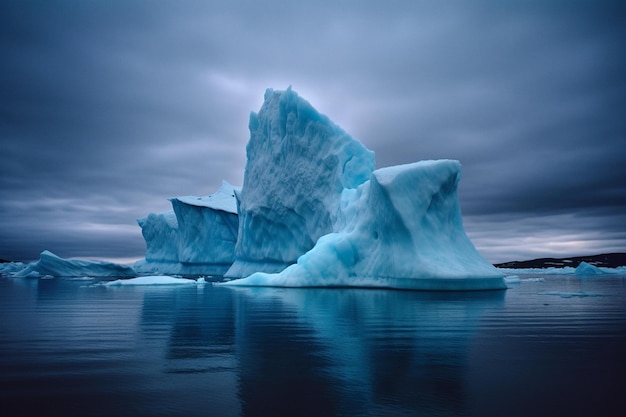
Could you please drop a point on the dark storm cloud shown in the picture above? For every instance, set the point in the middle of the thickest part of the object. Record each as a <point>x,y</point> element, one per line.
<point>109,108</point>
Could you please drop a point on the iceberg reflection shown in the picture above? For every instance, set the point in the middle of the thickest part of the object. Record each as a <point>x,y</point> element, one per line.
<point>257,351</point>
<point>355,351</point>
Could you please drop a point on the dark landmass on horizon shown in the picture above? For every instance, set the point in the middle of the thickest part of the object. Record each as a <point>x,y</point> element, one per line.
<point>605,260</point>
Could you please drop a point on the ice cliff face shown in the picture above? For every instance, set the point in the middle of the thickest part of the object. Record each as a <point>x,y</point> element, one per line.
<point>298,164</point>
<point>197,237</point>
<point>401,229</point>
<point>160,231</point>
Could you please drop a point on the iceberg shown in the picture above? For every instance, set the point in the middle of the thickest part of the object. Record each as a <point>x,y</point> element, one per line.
<point>314,211</point>
<point>400,229</point>
<point>587,269</point>
<point>197,237</point>
<point>298,164</point>
<point>10,268</point>
<point>52,265</point>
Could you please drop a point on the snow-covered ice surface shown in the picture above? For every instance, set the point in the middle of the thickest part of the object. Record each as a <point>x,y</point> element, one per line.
<point>401,229</point>
<point>51,265</point>
<point>298,164</point>
<point>197,237</point>
<point>223,200</point>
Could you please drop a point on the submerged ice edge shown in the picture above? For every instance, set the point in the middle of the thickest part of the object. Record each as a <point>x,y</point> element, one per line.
<point>416,284</point>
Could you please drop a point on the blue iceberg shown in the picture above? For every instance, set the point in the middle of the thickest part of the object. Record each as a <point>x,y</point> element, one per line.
<point>314,212</point>
<point>587,269</point>
<point>51,265</point>
<point>197,237</point>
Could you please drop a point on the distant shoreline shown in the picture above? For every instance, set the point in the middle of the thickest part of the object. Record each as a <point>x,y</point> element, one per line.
<point>606,260</point>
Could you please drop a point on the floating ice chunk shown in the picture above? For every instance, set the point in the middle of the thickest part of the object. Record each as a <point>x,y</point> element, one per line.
<point>512,279</point>
<point>50,264</point>
<point>10,268</point>
<point>536,279</point>
<point>585,269</point>
<point>151,280</point>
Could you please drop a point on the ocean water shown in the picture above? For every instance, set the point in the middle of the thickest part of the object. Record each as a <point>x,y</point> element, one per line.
<point>549,345</point>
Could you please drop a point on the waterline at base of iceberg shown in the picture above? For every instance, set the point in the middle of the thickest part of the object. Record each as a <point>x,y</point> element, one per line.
<point>417,284</point>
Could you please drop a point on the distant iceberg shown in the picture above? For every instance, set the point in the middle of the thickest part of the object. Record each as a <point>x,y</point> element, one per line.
<point>52,265</point>
<point>586,269</point>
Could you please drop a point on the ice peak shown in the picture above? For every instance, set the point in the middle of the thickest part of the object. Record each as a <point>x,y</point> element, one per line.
<point>298,164</point>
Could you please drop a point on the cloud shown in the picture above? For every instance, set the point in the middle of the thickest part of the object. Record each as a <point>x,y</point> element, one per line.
<point>124,104</point>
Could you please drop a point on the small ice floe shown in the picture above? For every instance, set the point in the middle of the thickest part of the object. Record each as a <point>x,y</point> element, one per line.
<point>151,280</point>
<point>512,280</point>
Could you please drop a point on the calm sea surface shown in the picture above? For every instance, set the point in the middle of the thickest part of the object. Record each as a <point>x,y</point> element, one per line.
<point>548,346</point>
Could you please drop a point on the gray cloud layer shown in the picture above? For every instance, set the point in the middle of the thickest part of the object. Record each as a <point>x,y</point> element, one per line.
<point>109,108</point>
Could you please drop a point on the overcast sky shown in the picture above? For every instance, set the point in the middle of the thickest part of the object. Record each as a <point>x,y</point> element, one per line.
<point>109,108</point>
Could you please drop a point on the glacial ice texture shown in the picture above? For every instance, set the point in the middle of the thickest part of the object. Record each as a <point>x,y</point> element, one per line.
<point>298,164</point>
<point>197,237</point>
<point>401,229</point>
